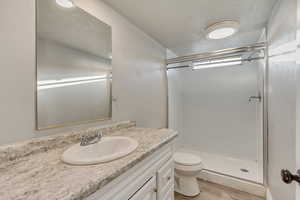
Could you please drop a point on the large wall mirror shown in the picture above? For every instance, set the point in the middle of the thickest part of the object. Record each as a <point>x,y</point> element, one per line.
<point>74,70</point>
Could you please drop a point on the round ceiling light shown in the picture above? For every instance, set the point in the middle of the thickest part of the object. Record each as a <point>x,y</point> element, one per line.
<point>65,3</point>
<point>222,29</point>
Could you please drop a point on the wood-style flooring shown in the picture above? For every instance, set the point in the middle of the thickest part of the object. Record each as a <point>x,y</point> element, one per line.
<point>211,191</point>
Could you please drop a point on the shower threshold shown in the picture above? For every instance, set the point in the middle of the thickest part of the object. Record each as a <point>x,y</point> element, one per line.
<point>242,169</point>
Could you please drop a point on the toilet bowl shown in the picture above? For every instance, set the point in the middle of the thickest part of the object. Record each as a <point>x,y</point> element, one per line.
<point>187,166</point>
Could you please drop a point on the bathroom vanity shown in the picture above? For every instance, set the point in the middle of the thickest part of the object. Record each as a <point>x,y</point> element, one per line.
<point>34,170</point>
<point>151,179</point>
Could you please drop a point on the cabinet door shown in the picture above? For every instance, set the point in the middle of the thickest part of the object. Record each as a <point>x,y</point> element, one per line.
<point>165,180</point>
<point>147,192</point>
<point>169,195</point>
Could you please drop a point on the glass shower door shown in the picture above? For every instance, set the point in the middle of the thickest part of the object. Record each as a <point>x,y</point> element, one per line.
<point>218,113</point>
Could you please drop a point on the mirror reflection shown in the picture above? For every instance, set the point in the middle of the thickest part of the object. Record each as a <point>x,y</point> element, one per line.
<point>74,70</point>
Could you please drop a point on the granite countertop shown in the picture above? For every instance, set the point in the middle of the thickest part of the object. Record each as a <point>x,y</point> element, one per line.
<point>33,170</point>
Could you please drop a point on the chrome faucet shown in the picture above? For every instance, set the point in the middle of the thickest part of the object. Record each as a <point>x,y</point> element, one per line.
<point>88,140</point>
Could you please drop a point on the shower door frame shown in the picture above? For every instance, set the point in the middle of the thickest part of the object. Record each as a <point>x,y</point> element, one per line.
<point>262,46</point>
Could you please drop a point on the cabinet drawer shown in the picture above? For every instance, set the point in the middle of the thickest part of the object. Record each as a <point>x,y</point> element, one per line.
<point>165,179</point>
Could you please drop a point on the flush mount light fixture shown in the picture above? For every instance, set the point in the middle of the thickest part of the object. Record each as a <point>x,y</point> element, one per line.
<point>232,61</point>
<point>65,3</point>
<point>222,29</point>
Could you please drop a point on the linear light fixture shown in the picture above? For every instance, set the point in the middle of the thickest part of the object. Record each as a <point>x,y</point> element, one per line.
<point>66,80</point>
<point>70,81</point>
<point>218,63</point>
<point>43,87</point>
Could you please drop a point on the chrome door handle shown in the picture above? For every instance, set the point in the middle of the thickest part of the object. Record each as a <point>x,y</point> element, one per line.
<point>288,177</point>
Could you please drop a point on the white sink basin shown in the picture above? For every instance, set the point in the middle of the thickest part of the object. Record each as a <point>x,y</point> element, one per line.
<point>108,149</point>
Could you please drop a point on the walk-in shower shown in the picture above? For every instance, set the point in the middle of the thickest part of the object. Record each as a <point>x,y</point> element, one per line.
<point>216,103</point>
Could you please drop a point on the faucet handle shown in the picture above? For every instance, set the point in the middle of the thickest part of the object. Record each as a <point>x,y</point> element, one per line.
<point>83,140</point>
<point>87,140</point>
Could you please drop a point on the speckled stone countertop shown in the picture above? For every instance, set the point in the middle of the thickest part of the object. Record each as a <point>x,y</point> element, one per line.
<point>33,170</point>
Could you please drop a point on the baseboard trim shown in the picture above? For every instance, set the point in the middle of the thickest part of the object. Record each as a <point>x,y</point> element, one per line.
<point>245,186</point>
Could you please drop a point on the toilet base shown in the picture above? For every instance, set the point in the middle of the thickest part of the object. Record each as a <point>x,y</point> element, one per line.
<point>187,186</point>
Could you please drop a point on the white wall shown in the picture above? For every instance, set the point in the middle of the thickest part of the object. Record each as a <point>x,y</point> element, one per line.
<point>139,84</point>
<point>139,79</point>
<point>175,117</point>
<point>282,97</point>
<point>298,97</point>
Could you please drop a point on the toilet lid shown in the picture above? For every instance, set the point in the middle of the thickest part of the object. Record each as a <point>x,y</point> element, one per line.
<point>186,159</point>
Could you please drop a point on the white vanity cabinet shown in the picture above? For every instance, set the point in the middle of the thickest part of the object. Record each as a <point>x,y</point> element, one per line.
<point>150,179</point>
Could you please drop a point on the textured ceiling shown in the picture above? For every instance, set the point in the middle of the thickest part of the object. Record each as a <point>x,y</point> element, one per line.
<point>179,24</point>
<point>74,28</point>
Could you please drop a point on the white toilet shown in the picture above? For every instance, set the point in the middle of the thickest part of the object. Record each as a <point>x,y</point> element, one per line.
<point>187,166</point>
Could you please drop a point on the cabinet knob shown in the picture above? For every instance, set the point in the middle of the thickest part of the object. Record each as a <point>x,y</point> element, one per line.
<point>155,190</point>
<point>169,178</point>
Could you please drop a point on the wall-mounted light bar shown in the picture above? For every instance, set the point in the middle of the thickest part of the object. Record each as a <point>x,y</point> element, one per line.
<point>70,81</point>
<point>66,80</point>
<point>231,61</point>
